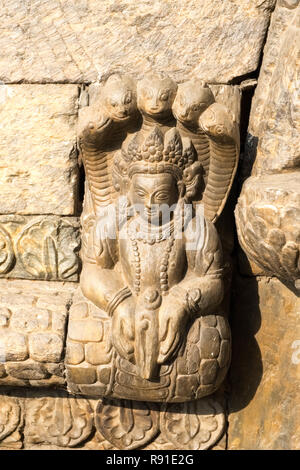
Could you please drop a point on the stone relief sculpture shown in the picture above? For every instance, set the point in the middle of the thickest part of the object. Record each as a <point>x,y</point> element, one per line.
<point>148,332</point>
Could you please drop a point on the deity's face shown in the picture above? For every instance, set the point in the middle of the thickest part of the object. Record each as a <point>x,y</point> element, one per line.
<point>152,195</point>
<point>191,102</point>
<point>155,96</point>
<point>119,99</point>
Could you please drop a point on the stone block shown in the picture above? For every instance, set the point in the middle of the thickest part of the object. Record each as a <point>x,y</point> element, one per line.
<point>27,370</point>
<point>264,375</point>
<point>37,149</point>
<point>13,346</point>
<point>31,343</point>
<point>273,134</point>
<point>43,247</point>
<point>96,353</point>
<point>74,353</point>
<point>45,347</point>
<point>81,41</point>
<point>81,375</point>
<point>86,330</point>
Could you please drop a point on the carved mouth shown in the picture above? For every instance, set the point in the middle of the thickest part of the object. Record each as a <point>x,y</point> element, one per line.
<point>154,111</point>
<point>104,124</point>
<point>182,119</point>
<point>121,118</point>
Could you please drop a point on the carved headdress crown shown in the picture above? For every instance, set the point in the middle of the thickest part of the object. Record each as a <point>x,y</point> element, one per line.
<point>158,153</point>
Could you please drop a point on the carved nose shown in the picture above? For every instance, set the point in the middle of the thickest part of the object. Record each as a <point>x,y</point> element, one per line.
<point>154,104</point>
<point>122,112</point>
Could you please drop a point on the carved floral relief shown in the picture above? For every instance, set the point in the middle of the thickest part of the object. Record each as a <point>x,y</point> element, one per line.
<point>40,247</point>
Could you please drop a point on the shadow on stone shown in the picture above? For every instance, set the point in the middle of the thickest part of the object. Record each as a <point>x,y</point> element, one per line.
<point>246,366</point>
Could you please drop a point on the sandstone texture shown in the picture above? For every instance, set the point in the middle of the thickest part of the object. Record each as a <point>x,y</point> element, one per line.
<point>39,247</point>
<point>38,165</point>
<point>268,224</point>
<point>70,417</point>
<point>54,420</point>
<point>11,422</point>
<point>33,317</point>
<point>264,396</point>
<point>83,40</point>
<point>274,120</point>
<point>267,214</point>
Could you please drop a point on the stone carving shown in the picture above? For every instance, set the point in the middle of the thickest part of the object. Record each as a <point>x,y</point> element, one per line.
<point>196,425</point>
<point>44,247</point>
<point>148,323</point>
<point>214,134</point>
<point>127,424</point>
<point>58,420</point>
<point>267,213</point>
<point>32,332</point>
<point>267,216</point>
<point>10,421</point>
<point>7,256</point>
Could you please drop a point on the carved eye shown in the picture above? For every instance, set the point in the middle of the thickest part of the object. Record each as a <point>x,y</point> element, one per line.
<point>161,196</point>
<point>140,193</point>
<point>113,103</point>
<point>128,98</point>
<point>164,96</point>
<point>195,107</point>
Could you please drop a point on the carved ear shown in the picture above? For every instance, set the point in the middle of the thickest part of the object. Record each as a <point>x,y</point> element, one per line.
<point>120,178</point>
<point>193,179</point>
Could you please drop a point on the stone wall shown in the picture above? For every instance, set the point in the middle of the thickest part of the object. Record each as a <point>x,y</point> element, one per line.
<point>53,51</point>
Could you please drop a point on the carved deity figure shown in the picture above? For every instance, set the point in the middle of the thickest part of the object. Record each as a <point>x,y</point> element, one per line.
<point>152,262</point>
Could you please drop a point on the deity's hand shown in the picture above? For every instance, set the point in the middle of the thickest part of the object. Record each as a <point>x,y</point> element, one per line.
<point>123,328</point>
<point>173,317</point>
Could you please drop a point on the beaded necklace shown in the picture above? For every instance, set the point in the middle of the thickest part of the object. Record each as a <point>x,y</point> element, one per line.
<point>151,235</point>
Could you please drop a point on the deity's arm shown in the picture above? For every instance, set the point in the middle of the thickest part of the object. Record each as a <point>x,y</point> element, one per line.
<point>202,287</point>
<point>100,280</point>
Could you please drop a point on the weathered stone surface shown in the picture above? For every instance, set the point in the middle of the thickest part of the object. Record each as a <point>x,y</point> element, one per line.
<point>82,375</point>
<point>81,41</point>
<point>273,135</point>
<point>41,247</point>
<point>74,353</point>
<point>11,419</point>
<point>96,353</point>
<point>15,346</point>
<point>57,419</point>
<point>37,149</point>
<point>89,330</point>
<point>264,397</point>
<point>268,223</point>
<point>267,213</point>
<point>32,334</point>
<point>45,347</point>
